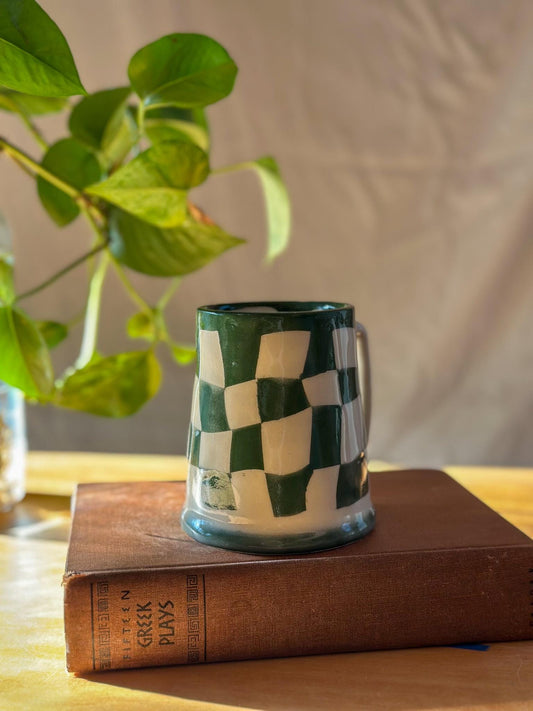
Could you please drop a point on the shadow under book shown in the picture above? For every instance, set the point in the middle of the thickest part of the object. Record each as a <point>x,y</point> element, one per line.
<point>440,568</point>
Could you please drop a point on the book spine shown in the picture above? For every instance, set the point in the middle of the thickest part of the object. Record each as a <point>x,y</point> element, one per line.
<point>301,606</point>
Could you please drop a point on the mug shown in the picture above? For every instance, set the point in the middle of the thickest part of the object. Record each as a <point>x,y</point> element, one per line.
<point>278,434</point>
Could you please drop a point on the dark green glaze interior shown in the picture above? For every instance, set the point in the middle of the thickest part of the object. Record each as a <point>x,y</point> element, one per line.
<point>289,307</point>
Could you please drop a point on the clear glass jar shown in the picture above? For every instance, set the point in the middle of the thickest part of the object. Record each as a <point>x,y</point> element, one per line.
<point>13,447</point>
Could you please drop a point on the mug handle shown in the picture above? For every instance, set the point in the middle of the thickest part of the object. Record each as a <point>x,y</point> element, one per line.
<point>363,363</point>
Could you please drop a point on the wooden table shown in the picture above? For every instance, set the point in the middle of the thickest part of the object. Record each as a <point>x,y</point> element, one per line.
<point>32,675</point>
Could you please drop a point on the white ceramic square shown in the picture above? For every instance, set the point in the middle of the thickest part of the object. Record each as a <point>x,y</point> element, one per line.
<point>344,345</point>
<point>321,493</point>
<point>349,445</point>
<point>241,404</point>
<point>251,496</point>
<point>194,485</point>
<point>282,354</point>
<point>211,365</point>
<point>287,443</point>
<point>323,389</point>
<point>215,451</point>
<point>195,408</point>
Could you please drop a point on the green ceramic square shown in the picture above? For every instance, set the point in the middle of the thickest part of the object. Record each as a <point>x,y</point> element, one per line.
<point>240,350</point>
<point>287,491</point>
<point>349,484</point>
<point>278,398</point>
<point>193,447</point>
<point>212,408</point>
<point>321,353</point>
<point>246,449</point>
<point>326,436</point>
<point>348,384</point>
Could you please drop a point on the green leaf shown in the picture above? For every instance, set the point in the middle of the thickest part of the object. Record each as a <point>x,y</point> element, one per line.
<point>153,185</point>
<point>34,56</point>
<point>53,332</point>
<point>182,354</point>
<point>170,123</point>
<point>120,138</point>
<point>7,288</point>
<point>141,325</point>
<point>116,386</point>
<point>25,361</point>
<point>29,105</point>
<point>277,203</point>
<point>98,120</point>
<point>170,252</point>
<point>76,165</point>
<point>186,70</point>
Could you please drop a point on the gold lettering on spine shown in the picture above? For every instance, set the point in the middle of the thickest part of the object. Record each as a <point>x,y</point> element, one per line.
<point>195,619</point>
<point>102,633</point>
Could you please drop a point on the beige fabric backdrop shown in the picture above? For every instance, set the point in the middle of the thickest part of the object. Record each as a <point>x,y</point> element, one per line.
<point>404,130</point>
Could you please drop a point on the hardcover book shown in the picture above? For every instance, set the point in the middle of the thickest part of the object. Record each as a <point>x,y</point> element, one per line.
<point>439,568</point>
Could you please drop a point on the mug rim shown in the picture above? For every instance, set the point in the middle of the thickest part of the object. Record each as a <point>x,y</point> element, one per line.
<point>302,308</point>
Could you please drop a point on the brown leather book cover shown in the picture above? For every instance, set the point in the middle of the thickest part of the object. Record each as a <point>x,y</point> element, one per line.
<point>439,568</point>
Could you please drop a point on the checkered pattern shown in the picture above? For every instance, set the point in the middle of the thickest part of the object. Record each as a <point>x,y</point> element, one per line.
<point>291,437</point>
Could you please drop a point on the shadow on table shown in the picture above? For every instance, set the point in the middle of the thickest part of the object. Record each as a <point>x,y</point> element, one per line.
<point>38,516</point>
<point>399,680</point>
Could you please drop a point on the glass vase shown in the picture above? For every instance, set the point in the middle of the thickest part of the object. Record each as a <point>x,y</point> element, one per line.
<point>13,447</point>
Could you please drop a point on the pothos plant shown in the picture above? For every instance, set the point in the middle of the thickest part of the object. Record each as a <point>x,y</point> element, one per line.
<point>132,156</point>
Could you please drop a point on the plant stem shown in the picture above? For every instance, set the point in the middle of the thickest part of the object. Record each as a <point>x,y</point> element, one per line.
<point>99,233</point>
<point>24,168</point>
<point>232,168</point>
<point>140,118</point>
<point>130,289</point>
<point>163,301</point>
<point>20,157</point>
<point>32,128</point>
<point>128,286</point>
<point>92,313</point>
<point>60,273</point>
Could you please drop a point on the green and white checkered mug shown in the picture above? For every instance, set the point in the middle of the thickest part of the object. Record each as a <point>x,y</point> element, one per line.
<point>278,434</point>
